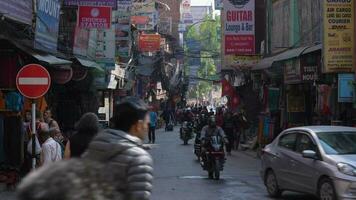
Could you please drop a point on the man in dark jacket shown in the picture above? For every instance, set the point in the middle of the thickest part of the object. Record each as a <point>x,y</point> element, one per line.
<point>115,165</point>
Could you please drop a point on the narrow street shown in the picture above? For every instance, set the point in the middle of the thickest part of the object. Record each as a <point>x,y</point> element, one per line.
<point>178,176</point>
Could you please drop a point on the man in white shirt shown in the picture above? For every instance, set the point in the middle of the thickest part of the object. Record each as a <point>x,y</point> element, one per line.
<point>51,150</point>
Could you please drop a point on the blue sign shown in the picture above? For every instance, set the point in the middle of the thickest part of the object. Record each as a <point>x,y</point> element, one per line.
<point>346,85</point>
<point>47,23</point>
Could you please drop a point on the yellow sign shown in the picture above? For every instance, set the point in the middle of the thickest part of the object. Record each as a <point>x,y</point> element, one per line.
<point>339,41</point>
<point>241,62</point>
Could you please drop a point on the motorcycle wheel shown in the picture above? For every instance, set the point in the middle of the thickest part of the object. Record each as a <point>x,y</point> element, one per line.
<point>217,170</point>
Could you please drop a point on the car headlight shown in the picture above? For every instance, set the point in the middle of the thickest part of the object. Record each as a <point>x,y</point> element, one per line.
<point>346,169</point>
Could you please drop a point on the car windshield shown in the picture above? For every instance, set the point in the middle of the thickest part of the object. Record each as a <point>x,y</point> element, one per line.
<point>338,142</point>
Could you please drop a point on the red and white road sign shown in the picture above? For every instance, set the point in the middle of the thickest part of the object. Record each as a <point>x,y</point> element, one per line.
<point>33,81</point>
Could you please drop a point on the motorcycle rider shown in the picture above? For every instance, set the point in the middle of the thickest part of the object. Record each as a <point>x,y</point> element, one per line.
<point>210,130</point>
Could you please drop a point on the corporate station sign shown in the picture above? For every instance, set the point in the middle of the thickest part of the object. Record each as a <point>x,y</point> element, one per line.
<point>239,23</point>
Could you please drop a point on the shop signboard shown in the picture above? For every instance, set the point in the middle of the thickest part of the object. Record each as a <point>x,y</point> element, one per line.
<point>124,5</point>
<point>110,3</point>
<point>241,62</point>
<point>140,20</point>
<point>181,28</point>
<point>94,17</point>
<point>165,25</point>
<point>292,71</point>
<point>123,34</point>
<point>149,42</point>
<point>47,25</point>
<point>309,73</point>
<point>187,18</point>
<point>218,4</point>
<point>239,27</point>
<point>339,34</point>
<point>17,10</point>
<point>346,87</point>
<point>152,22</point>
<point>81,40</point>
<point>143,6</point>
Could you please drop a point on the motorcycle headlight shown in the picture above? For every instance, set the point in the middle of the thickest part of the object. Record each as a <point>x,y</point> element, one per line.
<point>346,169</point>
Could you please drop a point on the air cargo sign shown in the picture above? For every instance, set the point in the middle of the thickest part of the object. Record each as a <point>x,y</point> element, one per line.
<point>239,33</point>
<point>339,36</point>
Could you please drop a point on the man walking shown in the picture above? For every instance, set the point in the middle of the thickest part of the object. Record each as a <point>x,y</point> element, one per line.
<point>152,128</point>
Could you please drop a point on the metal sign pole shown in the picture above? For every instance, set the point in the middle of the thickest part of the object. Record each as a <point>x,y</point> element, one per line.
<point>33,136</point>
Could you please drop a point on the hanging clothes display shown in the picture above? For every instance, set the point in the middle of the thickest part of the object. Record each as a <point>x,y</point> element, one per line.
<point>14,101</point>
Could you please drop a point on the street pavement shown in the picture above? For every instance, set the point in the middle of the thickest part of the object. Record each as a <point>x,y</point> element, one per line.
<point>178,175</point>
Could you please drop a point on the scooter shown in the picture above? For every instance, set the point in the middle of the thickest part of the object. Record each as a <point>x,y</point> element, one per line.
<point>214,158</point>
<point>186,132</point>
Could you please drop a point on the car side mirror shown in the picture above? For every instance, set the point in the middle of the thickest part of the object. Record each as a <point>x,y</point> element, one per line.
<point>310,154</point>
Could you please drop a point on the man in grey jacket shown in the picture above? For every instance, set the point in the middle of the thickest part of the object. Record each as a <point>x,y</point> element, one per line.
<point>115,166</point>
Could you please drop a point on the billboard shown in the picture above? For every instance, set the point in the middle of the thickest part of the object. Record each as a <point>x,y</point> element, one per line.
<point>110,3</point>
<point>17,10</point>
<point>239,27</point>
<point>339,36</point>
<point>124,5</point>
<point>149,42</point>
<point>123,34</point>
<point>98,17</point>
<point>47,25</point>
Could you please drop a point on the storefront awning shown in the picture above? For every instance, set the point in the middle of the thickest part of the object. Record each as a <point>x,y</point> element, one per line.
<point>50,60</point>
<point>312,49</point>
<point>289,54</point>
<point>89,63</point>
<point>264,64</point>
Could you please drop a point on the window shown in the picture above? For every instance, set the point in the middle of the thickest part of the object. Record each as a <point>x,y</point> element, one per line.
<point>338,143</point>
<point>305,143</point>
<point>288,141</point>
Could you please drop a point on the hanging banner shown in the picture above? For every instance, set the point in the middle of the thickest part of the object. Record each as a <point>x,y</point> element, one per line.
<point>81,40</point>
<point>239,24</point>
<point>98,17</point>
<point>47,25</point>
<point>149,42</point>
<point>17,10</point>
<point>339,36</point>
<point>110,3</point>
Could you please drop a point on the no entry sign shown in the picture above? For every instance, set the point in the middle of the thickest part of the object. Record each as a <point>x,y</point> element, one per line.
<point>33,81</point>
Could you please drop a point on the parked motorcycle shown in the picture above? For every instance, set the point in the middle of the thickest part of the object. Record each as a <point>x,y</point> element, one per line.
<point>186,132</point>
<point>214,158</point>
